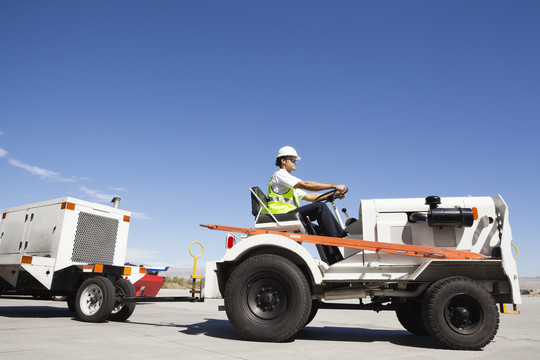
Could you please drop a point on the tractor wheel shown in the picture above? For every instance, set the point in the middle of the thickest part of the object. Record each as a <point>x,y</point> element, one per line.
<point>121,311</point>
<point>95,299</point>
<point>314,309</point>
<point>267,298</point>
<point>460,313</point>
<point>410,316</point>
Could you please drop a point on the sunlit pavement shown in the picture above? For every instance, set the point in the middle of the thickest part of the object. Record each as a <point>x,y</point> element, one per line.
<point>48,330</point>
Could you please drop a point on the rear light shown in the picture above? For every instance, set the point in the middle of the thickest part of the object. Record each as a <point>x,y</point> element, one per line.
<point>231,241</point>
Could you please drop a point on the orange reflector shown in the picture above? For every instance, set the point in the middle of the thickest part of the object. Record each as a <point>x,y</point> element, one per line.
<point>88,268</point>
<point>67,205</point>
<point>126,218</point>
<point>142,270</point>
<point>98,268</point>
<point>475,213</point>
<point>3,215</point>
<point>127,271</point>
<point>26,259</point>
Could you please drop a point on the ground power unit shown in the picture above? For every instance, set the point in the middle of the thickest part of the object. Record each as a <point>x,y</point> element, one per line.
<point>68,247</point>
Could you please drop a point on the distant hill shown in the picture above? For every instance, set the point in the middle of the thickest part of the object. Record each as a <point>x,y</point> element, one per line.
<point>182,273</point>
<point>529,283</point>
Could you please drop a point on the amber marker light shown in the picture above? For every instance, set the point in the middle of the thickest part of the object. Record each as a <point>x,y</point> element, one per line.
<point>67,205</point>
<point>475,213</point>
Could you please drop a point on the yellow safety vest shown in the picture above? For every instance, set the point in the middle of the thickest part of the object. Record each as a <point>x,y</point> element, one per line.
<point>282,203</point>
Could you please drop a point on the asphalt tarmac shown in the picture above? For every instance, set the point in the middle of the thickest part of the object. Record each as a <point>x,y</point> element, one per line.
<point>45,329</point>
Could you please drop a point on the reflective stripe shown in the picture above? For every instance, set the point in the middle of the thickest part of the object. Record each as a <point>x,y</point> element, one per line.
<point>281,203</point>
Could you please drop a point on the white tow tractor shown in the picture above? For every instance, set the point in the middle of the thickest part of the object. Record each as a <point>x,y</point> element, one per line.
<point>442,264</point>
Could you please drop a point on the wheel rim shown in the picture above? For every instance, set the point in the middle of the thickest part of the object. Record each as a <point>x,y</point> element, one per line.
<point>91,299</point>
<point>266,299</point>
<point>118,305</point>
<point>463,314</point>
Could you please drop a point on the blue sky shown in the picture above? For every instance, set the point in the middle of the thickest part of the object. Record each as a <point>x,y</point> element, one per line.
<point>179,107</point>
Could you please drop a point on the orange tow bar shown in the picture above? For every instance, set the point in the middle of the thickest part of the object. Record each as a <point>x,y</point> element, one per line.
<point>410,250</point>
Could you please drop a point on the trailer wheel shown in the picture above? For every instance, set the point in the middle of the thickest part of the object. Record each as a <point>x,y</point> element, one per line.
<point>71,303</point>
<point>460,313</point>
<point>410,316</point>
<point>267,298</point>
<point>121,311</point>
<point>95,299</point>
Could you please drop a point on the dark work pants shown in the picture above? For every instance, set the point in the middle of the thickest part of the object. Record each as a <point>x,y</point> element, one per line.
<point>326,220</point>
<point>328,226</point>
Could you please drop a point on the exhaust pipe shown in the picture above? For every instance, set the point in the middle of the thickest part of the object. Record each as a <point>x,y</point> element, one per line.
<point>116,202</point>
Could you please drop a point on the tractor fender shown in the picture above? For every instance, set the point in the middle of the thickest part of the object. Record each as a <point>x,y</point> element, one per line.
<point>277,244</point>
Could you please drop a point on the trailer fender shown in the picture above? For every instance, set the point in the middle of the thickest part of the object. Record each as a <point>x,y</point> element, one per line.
<point>41,268</point>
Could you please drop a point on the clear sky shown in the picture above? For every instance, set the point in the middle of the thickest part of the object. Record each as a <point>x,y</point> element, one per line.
<point>178,107</point>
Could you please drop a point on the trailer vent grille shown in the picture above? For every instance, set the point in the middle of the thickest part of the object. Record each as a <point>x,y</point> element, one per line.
<point>95,239</point>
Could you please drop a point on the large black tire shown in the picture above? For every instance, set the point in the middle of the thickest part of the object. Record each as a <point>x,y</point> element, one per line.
<point>409,315</point>
<point>314,309</point>
<point>121,311</point>
<point>460,313</point>
<point>95,299</point>
<point>267,298</point>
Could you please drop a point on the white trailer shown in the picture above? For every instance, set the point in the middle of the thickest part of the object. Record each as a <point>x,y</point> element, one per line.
<point>69,247</point>
<point>442,264</point>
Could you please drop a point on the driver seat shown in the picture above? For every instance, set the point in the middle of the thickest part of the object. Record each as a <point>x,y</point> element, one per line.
<point>289,222</point>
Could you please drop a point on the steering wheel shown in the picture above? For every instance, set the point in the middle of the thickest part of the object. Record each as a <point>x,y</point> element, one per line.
<point>331,196</point>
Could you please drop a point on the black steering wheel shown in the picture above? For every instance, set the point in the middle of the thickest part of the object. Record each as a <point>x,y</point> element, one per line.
<point>332,195</point>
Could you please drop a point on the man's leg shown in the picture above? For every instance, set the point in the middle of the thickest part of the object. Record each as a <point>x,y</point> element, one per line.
<point>326,220</point>
<point>328,225</point>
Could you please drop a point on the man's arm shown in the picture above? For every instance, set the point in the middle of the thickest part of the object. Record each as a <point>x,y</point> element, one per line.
<point>311,196</point>
<point>316,186</point>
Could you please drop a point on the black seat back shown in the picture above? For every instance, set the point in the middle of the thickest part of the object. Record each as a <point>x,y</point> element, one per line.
<point>257,196</point>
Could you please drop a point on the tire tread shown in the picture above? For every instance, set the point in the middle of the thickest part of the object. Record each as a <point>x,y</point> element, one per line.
<point>429,307</point>
<point>274,261</point>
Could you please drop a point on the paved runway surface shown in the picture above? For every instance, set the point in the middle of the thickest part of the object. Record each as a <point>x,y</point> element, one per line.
<point>39,329</point>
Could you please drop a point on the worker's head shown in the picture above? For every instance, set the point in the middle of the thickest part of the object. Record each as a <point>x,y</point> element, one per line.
<point>286,157</point>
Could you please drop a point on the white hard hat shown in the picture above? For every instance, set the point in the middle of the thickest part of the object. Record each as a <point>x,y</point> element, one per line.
<point>287,151</point>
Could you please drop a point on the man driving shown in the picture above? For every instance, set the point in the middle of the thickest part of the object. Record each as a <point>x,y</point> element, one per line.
<point>285,192</point>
